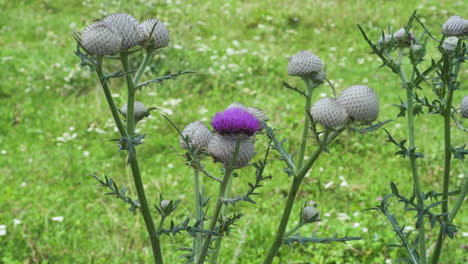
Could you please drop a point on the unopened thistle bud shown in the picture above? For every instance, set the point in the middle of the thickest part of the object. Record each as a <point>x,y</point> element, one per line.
<point>385,40</point>
<point>310,214</point>
<point>159,35</point>
<point>329,113</point>
<point>304,63</point>
<point>404,39</point>
<point>100,39</point>
<point>165,204</point>
<point>450,44</point>
<point>127,27</point>
<point>464,107</point>
<point>235,121</point>
<point>361,103</point>
<point>198,135</point>
<point>417,51</point>
<point>222,149</point>
<point>139,111</point>
<point>455,26</point>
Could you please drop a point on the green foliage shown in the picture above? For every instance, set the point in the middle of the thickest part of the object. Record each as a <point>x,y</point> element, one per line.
<point>55,127</point>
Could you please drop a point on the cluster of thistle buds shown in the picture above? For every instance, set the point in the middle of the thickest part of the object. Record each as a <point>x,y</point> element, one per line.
<point>358,103</point>
<point>119,32</point>
<point>234,129</point>
<point>455,28</point>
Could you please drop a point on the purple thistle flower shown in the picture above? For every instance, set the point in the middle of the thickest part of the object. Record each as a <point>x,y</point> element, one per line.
<point>235,121</point>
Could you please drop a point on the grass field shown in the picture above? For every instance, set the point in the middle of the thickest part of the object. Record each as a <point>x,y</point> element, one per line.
<point>55,128</point>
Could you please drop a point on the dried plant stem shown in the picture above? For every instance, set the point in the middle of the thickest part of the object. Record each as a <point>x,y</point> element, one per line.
<point>297,180</point>
<point>222,191</point>
<point>412,156</point>
<point>144,208</point>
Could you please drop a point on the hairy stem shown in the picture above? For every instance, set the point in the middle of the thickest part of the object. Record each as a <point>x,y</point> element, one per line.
<point>214,219</point>
<point>297,180</point>
<point>198,216</point>
<point>110,101</point>
<point>305,131</point>
<point>414,168</point>
<point>460,198</point>
<point>224,212</point>
<point>144,208</point>
<point>146,58</point>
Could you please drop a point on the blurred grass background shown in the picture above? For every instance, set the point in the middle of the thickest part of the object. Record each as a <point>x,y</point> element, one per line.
<point>55,127</point>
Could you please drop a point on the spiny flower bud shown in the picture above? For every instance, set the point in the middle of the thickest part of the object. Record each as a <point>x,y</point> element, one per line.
<point>401,39</point>
<point>198,135</point>
<point>139,111</point>
<point>310,214</point>
<point>304,63</point>
<point>464,107</point>
<point>160,36</point>
<point>165,204</point>
<point>235,121</point>
<point>450,44</point>
<point>384,40</point>
<point>127,27</point>
<point>417,51</point>
<point>238,105</point>
<point>361,103</point>
<point>222,149</point>
<point>329,113</point>
<point>100,39</point>
<point>259,114</point>
<point>455,26</point>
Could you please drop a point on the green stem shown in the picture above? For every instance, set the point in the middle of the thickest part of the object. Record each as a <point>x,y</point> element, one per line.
<point>214,219</point>
<point>224,212</point>
<point>297,180</point>
<point>460,198</point>
<point>297,227</point>
<point>146,58</point>
<point>414,168</point>
<point>448,158</point>
<point>305,131</point>
<point>198,216</point>
<point>110,101</point>
<point>144,208</point>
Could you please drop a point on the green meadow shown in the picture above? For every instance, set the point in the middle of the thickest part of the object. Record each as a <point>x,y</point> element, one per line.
<point>55,129</point>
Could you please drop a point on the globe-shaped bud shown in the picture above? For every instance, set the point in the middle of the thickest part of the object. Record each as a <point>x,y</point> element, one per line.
<point>361,103</point>
<point>164,204</point>
<point>455,26</point>
<point>464,107</point>
<point>450,44</point>
<point>385,40</point>
<point>198,135</point>
<point>159,34</point>
<point>235,121</point>
<point>222,149</point>
<point>139,111</point>
<point>404,39</point>
<point>310,214</point>
<point>127,27</point>
<point>100,39</point>
<point>304,63</point>
<point>258,113</point>
<point>329,113</point>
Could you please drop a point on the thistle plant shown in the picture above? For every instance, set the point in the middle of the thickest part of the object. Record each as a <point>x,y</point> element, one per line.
<point>120,37</point>
<point>407,60</point>
<point>230,144</point>
<point>324,121</point>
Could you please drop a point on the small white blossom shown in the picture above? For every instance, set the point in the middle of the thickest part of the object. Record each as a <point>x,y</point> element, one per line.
<point>57,218</point>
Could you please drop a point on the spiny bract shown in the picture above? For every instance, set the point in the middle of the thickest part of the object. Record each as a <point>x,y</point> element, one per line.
<point>455,26</point>
<point>310,214</point>
<point>361,103</point>
<point>127,27</point>
<point>139,111</point>
<point>464,107</point>
<point>329,113</point>
<point>222,149</point>
<point>450,44</point>
<point>304,63</point>
<point>401,39</point>
<point>100,39</point>
<point>160,36</point>
<point>198,135</point>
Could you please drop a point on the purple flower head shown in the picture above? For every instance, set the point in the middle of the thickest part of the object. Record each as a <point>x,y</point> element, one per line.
<point>235,121</point>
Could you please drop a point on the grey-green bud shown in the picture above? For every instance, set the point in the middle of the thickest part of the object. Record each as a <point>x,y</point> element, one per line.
<point>198,135</point>
<point>127,27</point>
<point>159,34</point>
<point>464,107</point>
<point>304,63</point>
<point>100,39</point>
<point>329,113</point>
<point>310,214</point>
<point>455,26</point>
<point>361,103</point>
<point>139,111</point>
<point>222,149</point>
